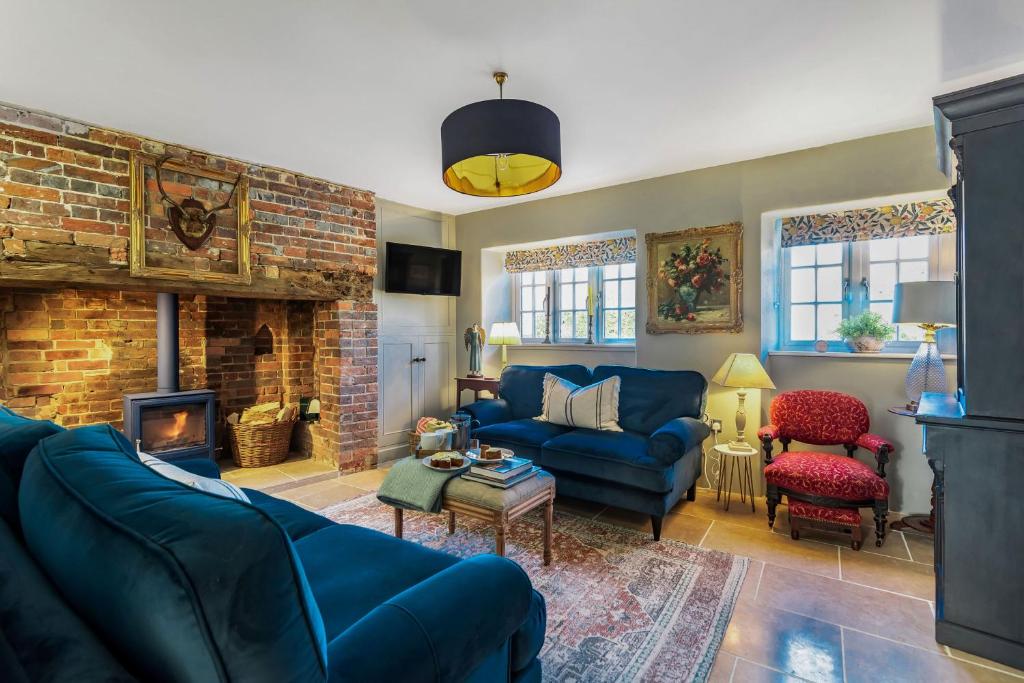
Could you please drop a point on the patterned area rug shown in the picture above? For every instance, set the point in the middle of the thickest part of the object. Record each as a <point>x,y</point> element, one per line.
<point>620,606</point>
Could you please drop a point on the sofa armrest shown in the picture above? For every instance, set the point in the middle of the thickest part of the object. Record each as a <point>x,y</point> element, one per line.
<point>674,438</point>
<point>489,411</point>
<point>435,631</point>
<point>204,467</point>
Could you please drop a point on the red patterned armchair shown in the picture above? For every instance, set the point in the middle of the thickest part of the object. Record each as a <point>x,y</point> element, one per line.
<point>829,485</point>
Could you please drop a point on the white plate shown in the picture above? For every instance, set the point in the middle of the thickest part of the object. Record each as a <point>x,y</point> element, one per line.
<point>475,457</point>
<point>426,463</point>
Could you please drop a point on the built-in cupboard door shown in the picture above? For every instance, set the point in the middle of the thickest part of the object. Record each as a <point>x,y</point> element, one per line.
<point>400,401</point>
<point>438,355</point>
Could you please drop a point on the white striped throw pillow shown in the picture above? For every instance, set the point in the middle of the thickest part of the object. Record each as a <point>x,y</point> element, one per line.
<point>591,407</point>
<point>218,487</point>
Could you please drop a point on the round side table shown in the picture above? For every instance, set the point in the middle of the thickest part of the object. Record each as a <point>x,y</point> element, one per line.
<point>741,460</point>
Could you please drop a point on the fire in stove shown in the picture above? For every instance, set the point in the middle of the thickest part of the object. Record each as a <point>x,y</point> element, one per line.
<point>171,428</point>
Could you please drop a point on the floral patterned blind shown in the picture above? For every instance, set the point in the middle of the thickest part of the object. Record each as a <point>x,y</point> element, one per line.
<point>584,254</point>
<point>932,217</point>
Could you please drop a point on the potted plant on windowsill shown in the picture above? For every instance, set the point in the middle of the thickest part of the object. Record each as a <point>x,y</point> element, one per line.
<point>866,333</point>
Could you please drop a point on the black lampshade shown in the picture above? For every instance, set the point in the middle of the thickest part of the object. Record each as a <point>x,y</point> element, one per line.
<point>501,148</point>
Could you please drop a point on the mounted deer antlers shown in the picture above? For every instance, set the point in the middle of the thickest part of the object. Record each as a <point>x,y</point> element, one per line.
<point>189,219</point>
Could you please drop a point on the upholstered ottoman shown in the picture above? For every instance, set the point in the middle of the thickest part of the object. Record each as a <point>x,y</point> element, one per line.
<point>844,520</point>
<point>497,506</point>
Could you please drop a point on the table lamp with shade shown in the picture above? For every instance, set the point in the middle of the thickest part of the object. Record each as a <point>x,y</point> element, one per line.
<point>742,371</point>
<point>504,335</point>
<point>931,305</point>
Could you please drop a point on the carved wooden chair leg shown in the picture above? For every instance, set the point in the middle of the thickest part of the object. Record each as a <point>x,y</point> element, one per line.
<point>772,498</point>
<point>881,513</point>
<point>794,528</point>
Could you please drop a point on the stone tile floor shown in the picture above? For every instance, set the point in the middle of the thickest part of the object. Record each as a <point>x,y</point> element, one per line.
<point>810,610</point>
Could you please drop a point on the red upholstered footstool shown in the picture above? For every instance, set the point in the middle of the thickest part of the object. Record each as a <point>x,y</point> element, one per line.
<point>844,520</point>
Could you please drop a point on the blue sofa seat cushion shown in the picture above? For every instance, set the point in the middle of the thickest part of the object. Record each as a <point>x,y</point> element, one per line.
<point>341,556</point>
<point>619,457</point>
<point>18,436</point>
<point>522,385</point>
<point>298,522</point>
<point>525,437</point>
<point>650,398</point>
<point>181,584</point>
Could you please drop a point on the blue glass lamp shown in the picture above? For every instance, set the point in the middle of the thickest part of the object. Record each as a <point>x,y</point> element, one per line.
<point>930,305</point>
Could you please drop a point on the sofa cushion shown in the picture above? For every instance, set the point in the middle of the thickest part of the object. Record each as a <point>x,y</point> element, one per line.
<point>650,398</point>
<point>47,641</point>
<point>595,406</point>
<point>188,586</point>
<point>525,437</point>
<point>612,456</point>
<point>521,385</point>
<point>18,436</point>
<point>214,485</point>
<point>297,521</point>
<point>341,556</point>
<point>826,474</point>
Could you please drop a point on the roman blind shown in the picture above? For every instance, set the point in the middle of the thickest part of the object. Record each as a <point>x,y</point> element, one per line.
<point>579,255</point>
<point>932,217</point>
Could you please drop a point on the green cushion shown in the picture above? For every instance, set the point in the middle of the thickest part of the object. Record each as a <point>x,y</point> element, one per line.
<point>183,585</point>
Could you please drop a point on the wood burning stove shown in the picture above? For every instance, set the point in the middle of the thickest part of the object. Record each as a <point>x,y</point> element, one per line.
<point>168,423</point>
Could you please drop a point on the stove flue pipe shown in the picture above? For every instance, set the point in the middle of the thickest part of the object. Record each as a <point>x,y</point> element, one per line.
<point>167,342</point>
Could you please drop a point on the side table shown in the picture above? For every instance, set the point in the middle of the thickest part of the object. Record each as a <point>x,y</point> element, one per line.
<point>476,385</point>
<point>924,524</point>
<point>735,459</point>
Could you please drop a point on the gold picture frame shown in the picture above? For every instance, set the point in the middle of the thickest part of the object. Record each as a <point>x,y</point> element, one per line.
<point>137,244</point>
<point>695,280</point>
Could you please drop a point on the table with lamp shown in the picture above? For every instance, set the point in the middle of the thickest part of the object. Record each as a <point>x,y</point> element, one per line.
<point>503,334</point>
<point>741,371</point>
<point>931,305</point>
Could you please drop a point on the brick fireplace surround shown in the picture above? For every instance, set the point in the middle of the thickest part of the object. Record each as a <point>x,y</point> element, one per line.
<point>77,331</point>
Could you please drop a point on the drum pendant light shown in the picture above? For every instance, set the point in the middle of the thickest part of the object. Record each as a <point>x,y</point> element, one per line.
<point>501,148</point>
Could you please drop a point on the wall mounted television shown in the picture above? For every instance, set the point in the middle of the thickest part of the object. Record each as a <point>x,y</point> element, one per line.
<point>414,269</point>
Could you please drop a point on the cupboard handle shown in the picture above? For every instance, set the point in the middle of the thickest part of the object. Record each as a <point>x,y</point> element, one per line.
<point>419,360</point>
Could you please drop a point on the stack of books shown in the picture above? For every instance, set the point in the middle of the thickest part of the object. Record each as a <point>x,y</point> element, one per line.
<point>503,474</point>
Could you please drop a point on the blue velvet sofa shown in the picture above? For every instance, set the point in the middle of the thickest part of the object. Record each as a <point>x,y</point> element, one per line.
<point>647,467</point>
<point>112,572</point>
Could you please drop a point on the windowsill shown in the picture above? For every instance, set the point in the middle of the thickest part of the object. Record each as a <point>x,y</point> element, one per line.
<point>850,355</point>
<point>575,347</point>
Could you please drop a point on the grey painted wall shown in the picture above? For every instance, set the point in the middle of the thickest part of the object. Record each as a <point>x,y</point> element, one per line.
<point>877,166</point>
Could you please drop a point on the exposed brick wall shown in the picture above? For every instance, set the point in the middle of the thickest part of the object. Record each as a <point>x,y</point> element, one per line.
<point>70,356</point>
<point>348,381</point>
<point>64,198</point>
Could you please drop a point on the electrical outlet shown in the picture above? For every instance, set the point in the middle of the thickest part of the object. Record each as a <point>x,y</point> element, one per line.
<point>716,425</point>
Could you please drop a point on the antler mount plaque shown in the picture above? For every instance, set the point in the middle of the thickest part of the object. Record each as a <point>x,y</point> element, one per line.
<point>174,235</point>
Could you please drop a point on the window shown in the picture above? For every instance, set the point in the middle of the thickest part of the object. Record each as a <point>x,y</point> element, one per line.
<point>618,298</point>
<point>533,322</point>
<point>615,310</point>
<point>824,283</point>
<point>573,289</point>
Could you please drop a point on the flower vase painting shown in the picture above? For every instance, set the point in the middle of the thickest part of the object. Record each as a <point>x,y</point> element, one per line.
<point>695,280</point>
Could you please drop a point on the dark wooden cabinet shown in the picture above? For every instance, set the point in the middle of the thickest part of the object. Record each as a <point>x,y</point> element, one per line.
<point>974,441</point>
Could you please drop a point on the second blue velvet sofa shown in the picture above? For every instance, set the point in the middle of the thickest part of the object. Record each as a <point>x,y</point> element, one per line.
<point>647,467</point>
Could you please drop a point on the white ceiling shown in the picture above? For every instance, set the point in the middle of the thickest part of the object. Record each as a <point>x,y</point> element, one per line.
<point>356,91</point>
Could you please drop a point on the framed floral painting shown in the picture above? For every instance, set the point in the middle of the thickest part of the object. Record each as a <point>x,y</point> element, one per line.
<point>695,280</point>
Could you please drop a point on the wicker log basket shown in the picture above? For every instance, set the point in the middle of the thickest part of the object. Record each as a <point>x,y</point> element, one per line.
<point>260,445</point>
